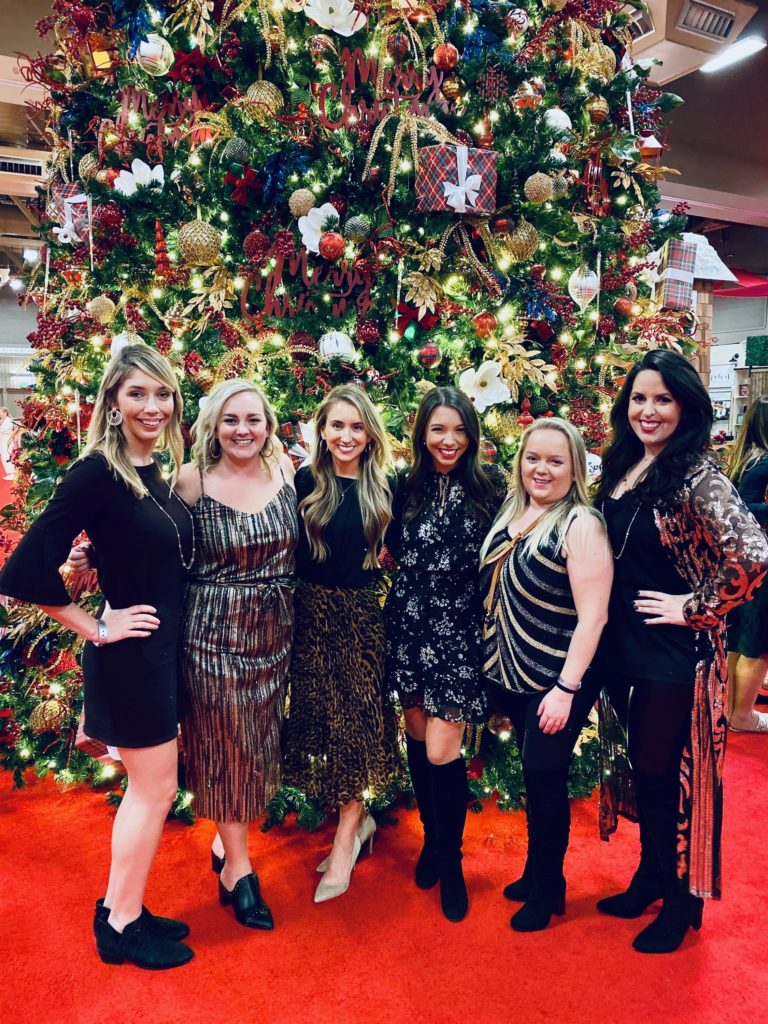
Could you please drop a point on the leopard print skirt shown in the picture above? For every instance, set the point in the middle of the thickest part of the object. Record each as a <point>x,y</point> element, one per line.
<point>341,734</point>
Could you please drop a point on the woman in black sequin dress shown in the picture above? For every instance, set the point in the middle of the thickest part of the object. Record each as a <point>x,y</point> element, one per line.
<point>442,509</point>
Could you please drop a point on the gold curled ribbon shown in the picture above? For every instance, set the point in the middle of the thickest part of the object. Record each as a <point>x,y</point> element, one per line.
<point>233,10</point>
<point>410,123</point>
<point>485,275</point>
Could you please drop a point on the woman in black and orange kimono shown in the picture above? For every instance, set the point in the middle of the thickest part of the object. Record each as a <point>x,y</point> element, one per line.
<point>687,551</point>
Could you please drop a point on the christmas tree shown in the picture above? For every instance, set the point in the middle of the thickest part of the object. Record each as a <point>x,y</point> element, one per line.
<point>309,192</point>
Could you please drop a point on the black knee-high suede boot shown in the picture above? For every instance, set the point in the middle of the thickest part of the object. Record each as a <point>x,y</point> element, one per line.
<point>657,800</point>
<point>549,821</point>
<point>426,873</point>
<point>519,890</point>
<point>449,786</point>
<point>645,887</point>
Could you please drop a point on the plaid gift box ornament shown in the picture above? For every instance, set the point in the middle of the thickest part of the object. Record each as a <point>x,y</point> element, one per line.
<point>456,179</point>
<point>676,271</point>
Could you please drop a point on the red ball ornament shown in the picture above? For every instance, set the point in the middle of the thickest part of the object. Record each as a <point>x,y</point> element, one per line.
<point>398,46</point>
<point>108,217</point>
<point>446,56</point>
<point>331,246</point>
<point>537,271</point>
<point>485,323</point>
<point>339,203</point>
<point>368,333</point>
<point>429,355</point>
<point>301,346</point>
<point>256,245</point>
<point>372,180</point>
<point>501,226</point>
<point>623,307</point>
<point>488,450</point>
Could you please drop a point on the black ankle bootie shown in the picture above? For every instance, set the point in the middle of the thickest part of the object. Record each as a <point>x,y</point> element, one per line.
<point>666,933</point>
<point>541,904</point>
<point>139,944</point>
<point>248,903</point>
<point>166,927</point>
<point>639,895</point>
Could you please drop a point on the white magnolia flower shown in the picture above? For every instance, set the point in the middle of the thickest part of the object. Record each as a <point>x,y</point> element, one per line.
<point>340,16</point>
<point>303,452</point>
<point>484,386</point>
<point>141,175</point>
<point>315,223</point>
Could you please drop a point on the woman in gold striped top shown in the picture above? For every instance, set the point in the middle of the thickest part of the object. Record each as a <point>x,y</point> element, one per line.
<point>546,575</point>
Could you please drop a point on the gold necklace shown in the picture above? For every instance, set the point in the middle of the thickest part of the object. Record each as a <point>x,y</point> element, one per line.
<point>187,565</point>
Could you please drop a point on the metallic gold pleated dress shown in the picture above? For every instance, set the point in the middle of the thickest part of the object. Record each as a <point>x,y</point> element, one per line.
<point>238,628</point>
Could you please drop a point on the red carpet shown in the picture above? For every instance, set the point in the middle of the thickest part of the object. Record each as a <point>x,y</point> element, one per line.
<point>382,952</point>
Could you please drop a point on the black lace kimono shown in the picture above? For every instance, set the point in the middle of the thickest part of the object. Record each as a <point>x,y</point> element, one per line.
<point>433,611</point>
<point>721,551</point>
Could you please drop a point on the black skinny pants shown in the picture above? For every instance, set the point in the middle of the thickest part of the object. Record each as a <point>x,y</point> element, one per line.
<point>546,759</point>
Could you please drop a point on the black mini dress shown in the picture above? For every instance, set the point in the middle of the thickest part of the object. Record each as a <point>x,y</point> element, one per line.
<point>131,686</point>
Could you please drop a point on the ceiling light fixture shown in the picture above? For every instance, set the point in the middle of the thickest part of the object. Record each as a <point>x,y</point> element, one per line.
<point>737,51</point>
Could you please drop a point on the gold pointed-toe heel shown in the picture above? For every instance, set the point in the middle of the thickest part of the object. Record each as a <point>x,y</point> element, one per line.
<point>328,891</point>
<point>365,833</point>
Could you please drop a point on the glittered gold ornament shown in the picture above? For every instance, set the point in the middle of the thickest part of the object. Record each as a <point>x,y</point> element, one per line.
<point>301,202</point>
<point>538,188</point>
<point>199,243</point>
<point>555,5</point>
<point>49,716</point>
<point>263,100</point>
<point>102,308</point>
<point>559,187</point>
<point>88,166</point>
<point>597,108</point>
<point>522,242</point>
<point>451,87</point>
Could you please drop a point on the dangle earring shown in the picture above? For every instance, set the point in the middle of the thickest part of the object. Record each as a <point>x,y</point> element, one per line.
<point>114,417</point>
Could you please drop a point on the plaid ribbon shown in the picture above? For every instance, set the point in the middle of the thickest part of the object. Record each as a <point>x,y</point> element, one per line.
<point>438,165</point>
<point>675,287</point>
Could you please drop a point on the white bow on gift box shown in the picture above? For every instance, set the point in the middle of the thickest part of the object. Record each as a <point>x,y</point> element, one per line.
<point>467,189</point>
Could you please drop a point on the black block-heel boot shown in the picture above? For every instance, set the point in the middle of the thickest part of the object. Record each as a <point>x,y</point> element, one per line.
<point>449,786</point>
<point>549,821</point>
<point>248,903</point>
<point>645,888</point>
<point>666,933</point>
<point>139,944</point>
<point>426,873</point>
<point>166,927</point>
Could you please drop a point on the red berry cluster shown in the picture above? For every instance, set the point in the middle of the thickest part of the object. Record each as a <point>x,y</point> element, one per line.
<point>193,363</point>
<point>284,244</point>
<point>164,343</point>
<point>368,332</point>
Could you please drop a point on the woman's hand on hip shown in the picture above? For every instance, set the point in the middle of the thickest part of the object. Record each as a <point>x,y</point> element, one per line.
<point>554,711</point>
<point>124,623</point>
<point>666,609</point>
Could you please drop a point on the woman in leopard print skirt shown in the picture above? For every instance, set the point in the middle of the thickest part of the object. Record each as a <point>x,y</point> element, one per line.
<point>341,734</point>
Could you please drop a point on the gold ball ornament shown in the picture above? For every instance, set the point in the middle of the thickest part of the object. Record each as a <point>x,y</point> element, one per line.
<point>597,108</point>
<point>263,100</point>
<point>538,188</point>
<point>88,166</point>
<point>49,716</point>
<point>522,242</point>
<point>559,187</point>
<point>301,202</point>
<point>199,243</point>
<point>102,308</point>
<point>451,88</point>
<point>555,5</point>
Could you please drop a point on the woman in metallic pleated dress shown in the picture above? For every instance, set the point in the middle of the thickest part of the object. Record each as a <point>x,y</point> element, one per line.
<point>238,626</point>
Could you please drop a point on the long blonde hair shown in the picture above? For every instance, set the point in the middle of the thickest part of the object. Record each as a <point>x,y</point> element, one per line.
<point>206,450</point>
<point>557,519</point>
<point>108,440</point>
<point>373,488</point>
<point>752,439</point>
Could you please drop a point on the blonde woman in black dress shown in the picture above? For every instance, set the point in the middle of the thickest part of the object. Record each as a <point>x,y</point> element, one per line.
<point>238,626</point>
<point>144,537</point>
<point>341,733</point>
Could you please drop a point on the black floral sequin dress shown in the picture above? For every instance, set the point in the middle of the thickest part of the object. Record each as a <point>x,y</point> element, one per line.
<point>433,611</point>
